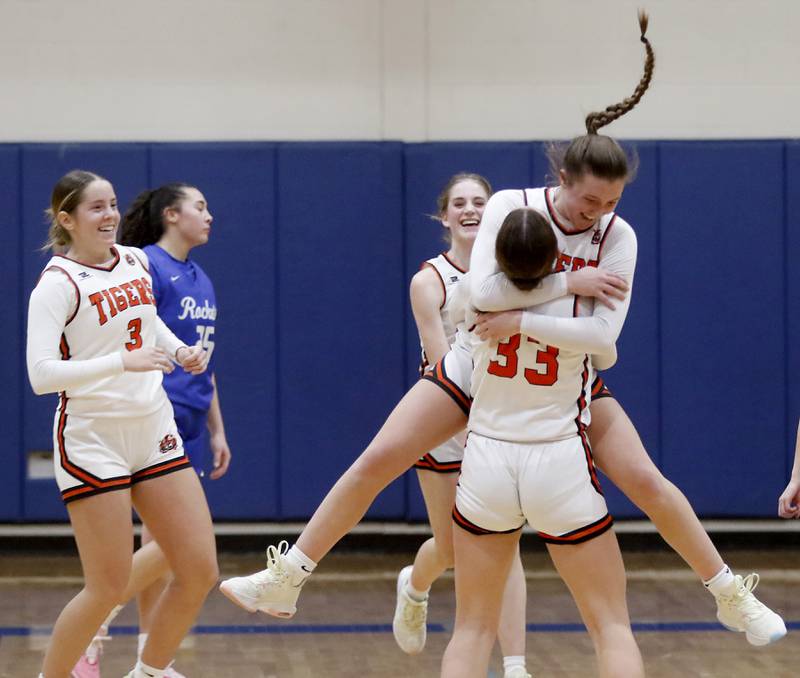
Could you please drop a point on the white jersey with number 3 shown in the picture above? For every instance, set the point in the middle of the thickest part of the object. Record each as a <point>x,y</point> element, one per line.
<point>81,319</point>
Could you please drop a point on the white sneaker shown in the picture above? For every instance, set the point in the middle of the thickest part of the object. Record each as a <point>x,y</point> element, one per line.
<point>410,615</point>
<point>271,591</point>
<point>517,672</point>
<point>741,611</point>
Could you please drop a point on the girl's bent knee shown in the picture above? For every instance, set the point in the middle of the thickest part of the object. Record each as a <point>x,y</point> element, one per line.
<point>110,591</point>
<point>200,576</point>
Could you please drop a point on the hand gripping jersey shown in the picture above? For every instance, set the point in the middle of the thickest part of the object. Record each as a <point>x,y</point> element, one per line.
<point>81,319</point>
<point>187,304</point>
<point>534,386</point>
<point>449,275</point>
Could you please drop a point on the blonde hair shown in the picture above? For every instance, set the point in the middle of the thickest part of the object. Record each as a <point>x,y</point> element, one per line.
<point>66,196</point>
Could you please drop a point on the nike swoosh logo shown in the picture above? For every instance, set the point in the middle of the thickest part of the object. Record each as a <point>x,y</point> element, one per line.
<point>173,278</point>
<point>305,569</point>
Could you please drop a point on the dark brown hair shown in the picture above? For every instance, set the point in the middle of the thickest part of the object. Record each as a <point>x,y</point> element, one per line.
<point>66,196</point>
<point>598,154</point>
<point>143,222</point>
<point>526,247</point>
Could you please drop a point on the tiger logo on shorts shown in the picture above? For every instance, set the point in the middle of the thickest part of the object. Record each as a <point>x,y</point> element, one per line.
<point>167,444</point>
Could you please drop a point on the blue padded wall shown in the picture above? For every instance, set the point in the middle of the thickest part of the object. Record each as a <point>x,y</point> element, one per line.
<point>125,165</point>
<point>722,320</point>
<point>428,167</point>
<point>12,373</point>
<point>790,311</point>
<point>238,181</point>
<point>340,312</point>
<point>313,248</point>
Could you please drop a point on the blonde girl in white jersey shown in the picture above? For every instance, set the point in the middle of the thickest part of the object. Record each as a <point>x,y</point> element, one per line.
<point>94,337</point>
<point>460,207</point>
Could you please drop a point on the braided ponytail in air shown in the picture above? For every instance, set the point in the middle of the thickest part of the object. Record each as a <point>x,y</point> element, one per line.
<point>598,154</point>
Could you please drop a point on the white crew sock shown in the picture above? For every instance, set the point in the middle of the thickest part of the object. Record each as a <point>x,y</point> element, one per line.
<point>720,582</point>
<point>302,566</point>
<point>142,670</point>
<point>513,660</point>
<point>111,617</point>
<point>141,642</point>
<point>416,594</point>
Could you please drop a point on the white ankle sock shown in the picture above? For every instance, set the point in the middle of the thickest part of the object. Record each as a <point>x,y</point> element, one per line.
<point>141,642</point>
<point>111,616</point>
<point>300,562</point>
<point>720,582</point>
<point>144,671</point>
<point>513,660</point>
<point>416,594</point>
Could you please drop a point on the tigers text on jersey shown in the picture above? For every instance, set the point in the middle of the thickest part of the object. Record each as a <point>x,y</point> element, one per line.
<point>526,389</point>
<point>187,304</point>
<point>87,315</point>
<point>449,275</point>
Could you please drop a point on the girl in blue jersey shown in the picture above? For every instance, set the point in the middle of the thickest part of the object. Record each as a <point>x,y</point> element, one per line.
<point>167,223</point>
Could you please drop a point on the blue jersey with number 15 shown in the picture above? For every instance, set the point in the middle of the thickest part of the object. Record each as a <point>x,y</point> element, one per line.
<point>186,303</point>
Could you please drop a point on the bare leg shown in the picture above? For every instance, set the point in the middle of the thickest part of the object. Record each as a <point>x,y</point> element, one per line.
<point>422,420</point>
<point>149,565</point>
<point>149,593</point>
<point>104,534</point>
<point>175,509</point>
<point>594,573</point>
<point>511,632</point>
<point>482,565</point>
<point>619,453</point>
<point>436,554</point>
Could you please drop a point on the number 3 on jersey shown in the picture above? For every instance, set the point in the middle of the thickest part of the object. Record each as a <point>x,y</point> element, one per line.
<point>206,332</point>
<point>135,331</point>
<point>548,358</point>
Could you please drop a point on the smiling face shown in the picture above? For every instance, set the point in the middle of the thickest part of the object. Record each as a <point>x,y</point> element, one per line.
<point>92,224</point>
<point>190,218</point>
<point>586,199</point>
<point>462,216</point>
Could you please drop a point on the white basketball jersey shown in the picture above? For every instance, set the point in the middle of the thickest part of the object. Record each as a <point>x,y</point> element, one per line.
<point>115,311</point>
<point>449,275</point>
<point>524,391</point>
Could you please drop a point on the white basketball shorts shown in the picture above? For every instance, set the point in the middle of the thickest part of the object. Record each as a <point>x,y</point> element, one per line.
<point>94,455</point>
<point>553,486</point>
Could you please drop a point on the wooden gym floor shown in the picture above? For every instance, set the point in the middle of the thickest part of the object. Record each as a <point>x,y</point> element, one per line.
<point>343,625</point>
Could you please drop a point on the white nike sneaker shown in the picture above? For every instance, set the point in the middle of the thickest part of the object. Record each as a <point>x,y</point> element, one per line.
<point>410,616</point>
<point>273,591</point>
<point>741,611</point>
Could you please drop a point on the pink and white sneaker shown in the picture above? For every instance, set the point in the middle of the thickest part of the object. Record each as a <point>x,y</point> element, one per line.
<point>88,665</point>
